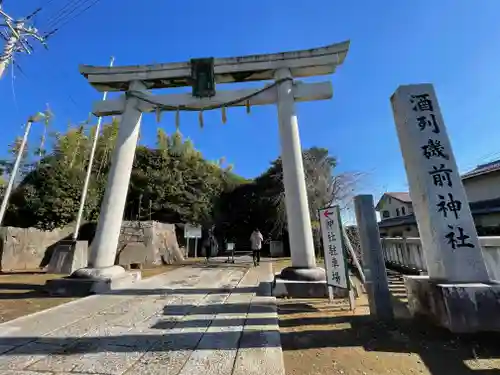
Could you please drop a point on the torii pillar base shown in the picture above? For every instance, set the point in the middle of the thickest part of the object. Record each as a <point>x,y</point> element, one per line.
<point>303,274</point>
<point>298,282</point>
<point>87,281</point>
<point>102,275</point>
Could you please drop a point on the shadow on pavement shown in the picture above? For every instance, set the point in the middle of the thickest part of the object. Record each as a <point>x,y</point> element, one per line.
<point>170,334</point>
<point>230,322</point>
<point>132,343</point>
<point>226,308</point>
<point>261,290</point>
<point>441,351</point>
<point>400,337</point>
<point>17,273</point>
<point>20,291</point>
<point>13,290</point>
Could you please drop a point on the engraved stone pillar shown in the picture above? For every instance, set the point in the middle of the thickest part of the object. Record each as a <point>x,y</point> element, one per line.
<point>447,230</point>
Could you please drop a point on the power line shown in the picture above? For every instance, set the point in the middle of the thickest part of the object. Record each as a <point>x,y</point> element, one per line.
<point>66,9</point>
<point>14,96</point>
<point>36,83</point>
<point>68,14</point>
<point>38,10</point>
<point>17,35</point>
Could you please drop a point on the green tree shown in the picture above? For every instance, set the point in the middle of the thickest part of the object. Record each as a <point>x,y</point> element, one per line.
<point>7,165</point>
<point>48,197</point>
<point>173,183</point>
<point>261,202</point>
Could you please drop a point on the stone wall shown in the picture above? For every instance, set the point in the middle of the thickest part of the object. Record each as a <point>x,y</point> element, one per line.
<point>148,243</point>
<point>28,248</point>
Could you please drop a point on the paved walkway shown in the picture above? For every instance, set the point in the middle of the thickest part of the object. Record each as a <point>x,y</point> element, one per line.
<point>218,319</point>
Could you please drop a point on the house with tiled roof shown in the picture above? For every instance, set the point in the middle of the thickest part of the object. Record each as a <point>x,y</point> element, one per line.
<point>482,186</point>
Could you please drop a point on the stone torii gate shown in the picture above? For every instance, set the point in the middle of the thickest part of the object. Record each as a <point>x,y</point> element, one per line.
<point>202,74</point>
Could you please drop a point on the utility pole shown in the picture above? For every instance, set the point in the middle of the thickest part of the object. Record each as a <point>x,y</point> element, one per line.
<point>36,118</point>
<point>16,34</point>
<point>89,169</point>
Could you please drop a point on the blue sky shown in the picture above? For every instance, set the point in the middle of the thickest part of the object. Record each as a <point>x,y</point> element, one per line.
<point>453,44</point>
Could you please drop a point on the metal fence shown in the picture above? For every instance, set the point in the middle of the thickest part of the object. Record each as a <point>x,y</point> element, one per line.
<point>408,253</point>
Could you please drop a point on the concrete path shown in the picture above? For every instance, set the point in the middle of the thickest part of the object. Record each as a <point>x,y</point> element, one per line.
<point>215,319</point>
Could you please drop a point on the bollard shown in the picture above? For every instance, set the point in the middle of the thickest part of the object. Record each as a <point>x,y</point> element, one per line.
<point>376,285</point>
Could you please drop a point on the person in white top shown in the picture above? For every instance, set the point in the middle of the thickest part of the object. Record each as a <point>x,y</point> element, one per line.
<point>256,240</point>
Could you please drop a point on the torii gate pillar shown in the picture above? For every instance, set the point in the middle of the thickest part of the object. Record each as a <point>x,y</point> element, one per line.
<point>297,207</point>
<point>115,195</point>
<point>101,263</point>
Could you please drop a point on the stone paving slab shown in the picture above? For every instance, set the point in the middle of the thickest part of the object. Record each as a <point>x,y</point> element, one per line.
<point>211,320</point>
<point>260,342</point>
<point>180,352</point>
<point>217,348</point>
<point>115,355</point>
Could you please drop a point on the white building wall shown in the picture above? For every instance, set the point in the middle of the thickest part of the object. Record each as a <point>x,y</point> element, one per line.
<point>392,205</point>
<point>478,188</point>
<point>482,188</point>
<point>488,220</point>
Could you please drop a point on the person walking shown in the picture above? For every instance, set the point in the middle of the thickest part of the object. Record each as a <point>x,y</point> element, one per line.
<point>256,240</point>
<point>210,245</point>
<point>206,248</point>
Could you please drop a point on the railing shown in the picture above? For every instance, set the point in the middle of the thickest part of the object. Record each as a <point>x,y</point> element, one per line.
<point>408,253</point>
<point>491,255</point>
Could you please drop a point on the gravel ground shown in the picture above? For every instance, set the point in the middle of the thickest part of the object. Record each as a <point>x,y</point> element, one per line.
<point>322,338</point>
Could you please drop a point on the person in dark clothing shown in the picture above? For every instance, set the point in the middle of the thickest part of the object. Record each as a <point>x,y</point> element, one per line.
<point>210,245</point>
<point>207,248</point>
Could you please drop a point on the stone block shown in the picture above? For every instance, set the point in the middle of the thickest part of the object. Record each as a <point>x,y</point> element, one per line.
<point>276,249</point>
<point>28,248</point>
<point>137,253</point>
<point>461,308</point>
<point>68,256</point>
<point>304,289</point>
<point>80,287</point>
<point>148,243</point>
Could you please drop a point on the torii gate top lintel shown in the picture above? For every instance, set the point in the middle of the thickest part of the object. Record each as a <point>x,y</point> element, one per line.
<point>303,63</point>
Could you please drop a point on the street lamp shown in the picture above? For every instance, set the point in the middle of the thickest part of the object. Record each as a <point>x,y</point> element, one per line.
<point>39,116</point>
